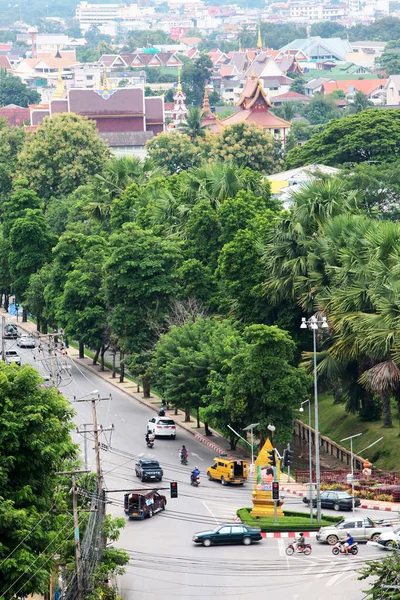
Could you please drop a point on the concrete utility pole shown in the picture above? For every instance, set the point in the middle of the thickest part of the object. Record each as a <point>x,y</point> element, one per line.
<point>52,358</point>
<point>96,432</point>
<point>77,541</point>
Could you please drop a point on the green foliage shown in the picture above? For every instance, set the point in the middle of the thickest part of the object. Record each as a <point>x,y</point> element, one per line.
<point>371,135</point>
<point>389,60</point>
<point>292,521</point>
<point>194,77</point>
<point>174,152</point>
<point>61,155</point>
<point>321,110</point>
<point>35,425</point>
<point>193,125</point>
<point>384,577</point>
<point>14,91</point>
<point>298,85</point>
<point>246,146</point>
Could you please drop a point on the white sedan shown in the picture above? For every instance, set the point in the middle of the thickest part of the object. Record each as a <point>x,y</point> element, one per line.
<point>162,427</point>
<point>26,341</point>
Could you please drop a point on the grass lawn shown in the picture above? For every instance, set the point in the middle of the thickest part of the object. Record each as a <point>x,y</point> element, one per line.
<point>292,521</point>
<point>336,424</point>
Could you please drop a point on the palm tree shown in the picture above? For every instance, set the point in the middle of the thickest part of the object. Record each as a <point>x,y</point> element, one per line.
<point>289,110</point>
<point>193,125</point>
<point>360,103</point>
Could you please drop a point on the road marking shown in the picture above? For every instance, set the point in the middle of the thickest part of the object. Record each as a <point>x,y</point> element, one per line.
<point>197,456</point>
<point>334,579</point>
<point>211,513</point>
<point>281,548</point>
<point>325,571</point>
<point>345,577</point>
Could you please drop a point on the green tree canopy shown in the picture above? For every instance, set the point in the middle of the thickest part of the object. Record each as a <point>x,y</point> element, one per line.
<point>174,152</point>
<point>246,146</point>
<point>14,91</point>
<point>61,155</point>
<point>371,135</point>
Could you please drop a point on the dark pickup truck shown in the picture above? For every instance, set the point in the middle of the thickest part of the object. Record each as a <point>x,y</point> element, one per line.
<point>149,470</point>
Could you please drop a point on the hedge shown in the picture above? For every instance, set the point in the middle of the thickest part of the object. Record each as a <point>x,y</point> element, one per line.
<point>292,521</point>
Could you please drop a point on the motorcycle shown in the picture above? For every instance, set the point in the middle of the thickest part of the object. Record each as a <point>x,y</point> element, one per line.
<point>195,480</point>
<point>184,460</point>
<point>305,549</point>
<point>339,548</point>
<point>149,442</point>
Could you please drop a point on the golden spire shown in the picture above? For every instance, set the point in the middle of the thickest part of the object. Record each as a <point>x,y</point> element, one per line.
<point>60,87</point>
<point>259,40</point>
<point>105,82</point>
<point>206,103</point>
<point>179,87</point>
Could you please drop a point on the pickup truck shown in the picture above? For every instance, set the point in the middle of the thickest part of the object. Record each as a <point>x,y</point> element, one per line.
<point>12,356</point>
<point>149,470</point>
<point>362,530</point>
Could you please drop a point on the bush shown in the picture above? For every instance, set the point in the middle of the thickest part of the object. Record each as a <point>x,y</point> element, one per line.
<point>292,521</point>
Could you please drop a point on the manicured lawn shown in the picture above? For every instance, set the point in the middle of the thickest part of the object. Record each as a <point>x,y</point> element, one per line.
<point>336,424</point>
<point>292,521</point>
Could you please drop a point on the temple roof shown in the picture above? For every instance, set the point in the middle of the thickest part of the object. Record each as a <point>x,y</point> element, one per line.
<point>252,92</point>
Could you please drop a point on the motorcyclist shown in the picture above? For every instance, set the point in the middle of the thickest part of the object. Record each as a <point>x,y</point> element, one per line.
<point>183,453</point>
<point>149,436</point>
<point>299,541</point>
<point>161,412</point>
<point>195,473</point>
<point>347,541</point>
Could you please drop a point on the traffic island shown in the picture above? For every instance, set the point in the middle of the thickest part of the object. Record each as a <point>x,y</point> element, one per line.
<point>290,521</point>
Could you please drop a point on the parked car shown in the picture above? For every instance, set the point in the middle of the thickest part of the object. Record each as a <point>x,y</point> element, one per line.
<point>149,470</point>
<point>228,533</point>
<point>139,506</point>
<point>12,356</point>
<point>362,530</point>
<point>390,539</point>
<point>228,470</point>
<point>162,427</point>
<point>337,500</point>
<point>26,341</point>
<point>10,332</point>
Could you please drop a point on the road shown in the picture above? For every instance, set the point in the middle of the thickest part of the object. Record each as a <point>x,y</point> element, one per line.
<point>164,561</point>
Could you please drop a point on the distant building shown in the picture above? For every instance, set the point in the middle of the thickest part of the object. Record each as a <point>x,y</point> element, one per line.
<point>285,183</point>
<point>317,49</point>
<point>374,89</point>
<point>124,118</point>
<point>16,116</point>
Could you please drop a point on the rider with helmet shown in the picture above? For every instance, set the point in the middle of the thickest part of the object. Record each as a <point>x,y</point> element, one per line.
<point>348,541</point>
<point>300,541</point>
<point>195,474</point>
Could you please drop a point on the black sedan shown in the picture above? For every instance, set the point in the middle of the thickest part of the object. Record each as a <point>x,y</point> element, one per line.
<point>335,499</point>
<point>229,533</point>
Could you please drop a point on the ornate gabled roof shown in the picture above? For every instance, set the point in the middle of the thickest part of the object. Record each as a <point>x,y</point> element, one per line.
<point>253,92</point>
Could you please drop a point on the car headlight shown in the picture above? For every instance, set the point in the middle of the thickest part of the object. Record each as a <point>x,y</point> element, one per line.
<point>195,538</point>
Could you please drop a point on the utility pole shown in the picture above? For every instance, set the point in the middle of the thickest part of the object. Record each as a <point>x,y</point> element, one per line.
<point>3,341</point>
<point>77,541</point>
<point>52,359</point>
<point>96,431</point>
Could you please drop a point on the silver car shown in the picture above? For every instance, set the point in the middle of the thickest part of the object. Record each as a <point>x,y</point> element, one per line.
<point>26,341</point>
<point>389,539</point>
<point>362,530</point>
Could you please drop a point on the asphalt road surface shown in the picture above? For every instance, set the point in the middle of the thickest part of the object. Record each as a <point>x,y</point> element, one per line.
<point>164,562</point>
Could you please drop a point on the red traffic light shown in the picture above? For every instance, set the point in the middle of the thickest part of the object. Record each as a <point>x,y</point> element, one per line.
<point>275,490</point>
<point>173,486</point>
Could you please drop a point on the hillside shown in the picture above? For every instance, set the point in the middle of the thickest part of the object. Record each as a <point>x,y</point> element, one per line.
<point>337,424</point>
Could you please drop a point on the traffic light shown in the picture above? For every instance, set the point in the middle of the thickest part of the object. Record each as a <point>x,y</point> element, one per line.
<point>272,457</point>
<point>275,490</point>
<point>173,489</point>
<point>287,457</point>
<point>16,303</point>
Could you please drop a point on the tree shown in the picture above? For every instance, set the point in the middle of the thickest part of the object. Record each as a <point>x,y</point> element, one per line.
<point>298,85</point>
<point>193,125</point>
<point>262,384</point>
<point>14,91</point>
<point>30,246</point>
<point>194,78</point>
<point>245,146</point>
<point>174,153</point>
<point>372,135</point>
<point>61,155</point>
<point>11,141</point>
<point>360,102</point>
<point>35,425</point>
<point>389,60</point>
<point>321,110</point>
<point>185,356</point>
<point>384,577</point>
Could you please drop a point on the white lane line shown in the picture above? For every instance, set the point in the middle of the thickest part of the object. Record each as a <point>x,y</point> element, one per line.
<point>345,577</point>
<point>325,571</point>
<point>281,547</point>
<point>197,456</point>
<point>211,513</point>
<point>334,579</point>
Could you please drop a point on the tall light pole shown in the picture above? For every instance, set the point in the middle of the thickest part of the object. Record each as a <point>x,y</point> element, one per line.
<point>313,323</point>
<point>301,409</point>
<point>251,428</point>
<point>351,438</point>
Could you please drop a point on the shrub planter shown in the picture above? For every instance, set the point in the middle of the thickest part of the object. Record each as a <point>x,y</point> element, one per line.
<point>293,521</point>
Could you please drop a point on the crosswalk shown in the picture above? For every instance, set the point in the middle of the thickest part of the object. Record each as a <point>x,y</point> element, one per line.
<point>221,512</point>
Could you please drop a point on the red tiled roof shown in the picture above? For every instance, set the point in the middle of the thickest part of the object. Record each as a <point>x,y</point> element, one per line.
<point>4,62</point>
<point>291,96</point>
<point>261,118</point>
<point>154,109</point>
<point>366,86</point>
<point>227,70</point>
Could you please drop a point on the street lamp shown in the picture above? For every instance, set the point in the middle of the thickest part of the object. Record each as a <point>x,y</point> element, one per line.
<point>251,428</point>
<point>313,323</point>
<point>271,428</point>
<point>351,437</point>
<point>301,409</point>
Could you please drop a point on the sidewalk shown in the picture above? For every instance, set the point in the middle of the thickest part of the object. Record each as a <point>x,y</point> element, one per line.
<point>216,442</point>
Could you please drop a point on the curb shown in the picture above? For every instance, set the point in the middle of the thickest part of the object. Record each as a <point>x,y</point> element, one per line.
<point>364,506</point>
<point>286,534</point>
<point>208,443</point>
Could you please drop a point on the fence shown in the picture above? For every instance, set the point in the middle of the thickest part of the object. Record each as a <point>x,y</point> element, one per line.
<point>327,446</point>
<point>340,476</point>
